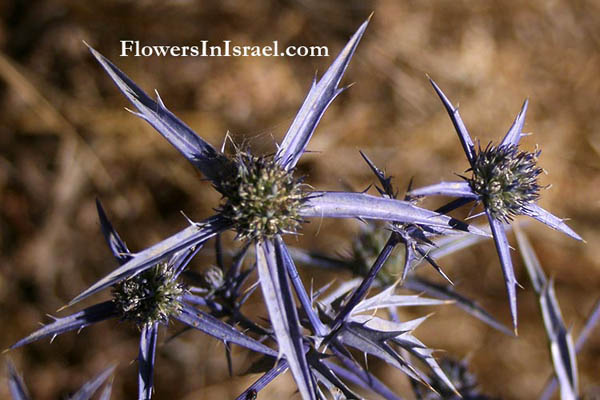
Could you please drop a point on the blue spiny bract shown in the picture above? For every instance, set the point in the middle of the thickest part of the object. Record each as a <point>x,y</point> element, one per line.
<point>149,297</point>
<point>263,199</point>
<point>505,178</point>
<point>505,181</point>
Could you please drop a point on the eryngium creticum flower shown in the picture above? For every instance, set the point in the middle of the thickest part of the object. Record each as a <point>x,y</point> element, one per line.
<point>263,200</point>
<point>504,180</point>
<point>148,299</point>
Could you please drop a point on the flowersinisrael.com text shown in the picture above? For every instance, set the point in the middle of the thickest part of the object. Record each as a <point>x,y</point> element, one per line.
<point>224,49</point>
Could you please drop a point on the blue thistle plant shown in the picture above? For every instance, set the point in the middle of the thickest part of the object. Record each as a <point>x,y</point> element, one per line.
<point>262,201</point>
<point>504,180</point>
<point>18,390</point>
<point>414,237</point>
<point>148,299</point>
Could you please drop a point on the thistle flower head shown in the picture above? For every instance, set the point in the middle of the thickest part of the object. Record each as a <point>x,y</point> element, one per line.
<point>505,178</point>
<point>149,297</point>
<point>262,199</point>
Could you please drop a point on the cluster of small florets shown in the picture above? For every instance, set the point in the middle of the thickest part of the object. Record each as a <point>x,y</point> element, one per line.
<point>263,199</point>
<point>149,297</point>
<point>506,179</point>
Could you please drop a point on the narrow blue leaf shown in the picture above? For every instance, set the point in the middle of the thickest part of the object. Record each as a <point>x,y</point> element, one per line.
<point>343,373</point>
<point>116,245</point>
<point>305,302</point>
<point>237,262</point>
<point>364,206</point>
<point>427,257</point>
<point>461,129</point>
<point>448,245</point>
<point>387,298</point>
<point>562,348</point>
<point>387,189</point>
<point>326,377</point>
<point>318,99</point>
<point>462,302</point>
<point>199,152</point>
<point>89,388</point>
<point>107,392</point>
<point>452,189</point>
<point>210,325</point>
<point>453,205</point>
<point>77,321</point>
<point>386,325</point>
<point>361,291</point>
<point>146,356</point>
<point>180,260</point>
<point>532,263</point>
<point>283,316</point>
<point>561,344</point>
<point>537,212</point>
<point>590,324</point>
<point>201,301</point>
<point>192,236</point>
<point>415,347</point>
<point>264,380</point>
<point>360,376</point>
<point>16,386</point>
<point>369,334</point>
<point>507,267</point>
<point>373,343</point>
<point>514,134</point>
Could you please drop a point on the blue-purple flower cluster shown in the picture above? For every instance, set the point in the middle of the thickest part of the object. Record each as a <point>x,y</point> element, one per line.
<point>313,334</point>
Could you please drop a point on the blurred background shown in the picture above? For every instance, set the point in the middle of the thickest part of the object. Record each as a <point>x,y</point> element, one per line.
<point>65,139</point>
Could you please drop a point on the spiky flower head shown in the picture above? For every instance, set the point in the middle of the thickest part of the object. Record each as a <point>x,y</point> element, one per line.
<point>262,199</point>
<point>149,297</point>
<point>506,179</point>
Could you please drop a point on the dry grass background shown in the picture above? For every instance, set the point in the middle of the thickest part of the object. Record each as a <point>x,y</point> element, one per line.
<point>65,139</point>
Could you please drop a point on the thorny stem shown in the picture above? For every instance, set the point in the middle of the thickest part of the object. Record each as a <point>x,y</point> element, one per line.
<point>360,292</point>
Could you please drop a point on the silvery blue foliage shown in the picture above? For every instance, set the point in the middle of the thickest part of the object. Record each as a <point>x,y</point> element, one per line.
<point>257,208</point>
<point>315,335</point>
